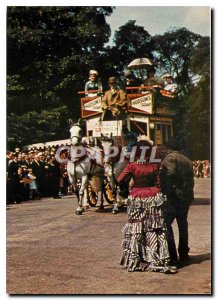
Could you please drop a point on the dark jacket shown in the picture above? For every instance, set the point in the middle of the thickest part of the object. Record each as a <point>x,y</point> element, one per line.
<point>177,177</point>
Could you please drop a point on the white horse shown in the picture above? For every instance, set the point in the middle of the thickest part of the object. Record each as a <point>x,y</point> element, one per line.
<point>113,167</point>
<point>82,166</point>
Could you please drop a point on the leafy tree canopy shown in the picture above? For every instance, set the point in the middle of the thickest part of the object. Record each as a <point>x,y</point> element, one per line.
<point>50,51</point>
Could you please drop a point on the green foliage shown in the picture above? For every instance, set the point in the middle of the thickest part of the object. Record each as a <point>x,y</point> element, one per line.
<point>50,51</point>
<point>191,66</point>
<point>33,127</point>
<point>174,51</point>
<point>131,41</point>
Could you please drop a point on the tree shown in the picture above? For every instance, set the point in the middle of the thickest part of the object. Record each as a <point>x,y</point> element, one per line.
<point>201,114</point>
<point>33,127</point>
<point>174,50</point>
<point>186,55</point>
<point>131,41</point>
<point>50,49</point>
<point>49,53</point>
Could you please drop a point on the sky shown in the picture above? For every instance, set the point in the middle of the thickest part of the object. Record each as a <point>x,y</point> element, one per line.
<point>159,19</point>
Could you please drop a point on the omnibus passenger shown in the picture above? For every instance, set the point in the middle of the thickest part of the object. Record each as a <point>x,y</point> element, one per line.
<point>152,81</point>
<point>94,84</point>
<point>169,84</point>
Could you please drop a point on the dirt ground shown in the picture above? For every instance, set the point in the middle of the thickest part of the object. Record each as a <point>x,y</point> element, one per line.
<point>51,250</point>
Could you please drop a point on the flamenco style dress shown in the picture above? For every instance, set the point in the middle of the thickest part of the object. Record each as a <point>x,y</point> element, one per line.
<point>145,245</point>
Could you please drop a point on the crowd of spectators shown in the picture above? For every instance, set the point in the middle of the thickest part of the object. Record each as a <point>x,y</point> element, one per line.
<point>34,174</point>
<point>202,168</point>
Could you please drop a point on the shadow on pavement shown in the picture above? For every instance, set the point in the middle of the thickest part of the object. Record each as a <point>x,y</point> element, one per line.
<point>195,259</point>
<point>108,209</point>
<point>201,201</point>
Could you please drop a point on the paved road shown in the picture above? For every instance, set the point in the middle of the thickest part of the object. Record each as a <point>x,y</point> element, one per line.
<point>51,250</point>
<point>202,190</point>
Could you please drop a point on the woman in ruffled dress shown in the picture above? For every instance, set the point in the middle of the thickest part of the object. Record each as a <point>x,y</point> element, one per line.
<point>145,242</point>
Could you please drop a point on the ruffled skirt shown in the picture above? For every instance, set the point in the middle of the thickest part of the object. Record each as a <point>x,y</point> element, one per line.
<point>145,244</point>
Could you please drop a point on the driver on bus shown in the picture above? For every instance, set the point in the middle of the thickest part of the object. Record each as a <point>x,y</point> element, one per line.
<point>94,84</point>
<point>114,102</point>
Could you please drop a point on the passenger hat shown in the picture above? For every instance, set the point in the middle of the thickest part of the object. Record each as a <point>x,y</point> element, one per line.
<point>129,74</point>
<point>167,75</point>
<point>112,80</point>
<point>93,72</point>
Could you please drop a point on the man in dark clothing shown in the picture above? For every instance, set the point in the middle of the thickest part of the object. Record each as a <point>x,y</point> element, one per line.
<point>131,81</point>
<point>54,174</point>
<point>177,182</point>
<point>13,180</point>
<point>38,168</point>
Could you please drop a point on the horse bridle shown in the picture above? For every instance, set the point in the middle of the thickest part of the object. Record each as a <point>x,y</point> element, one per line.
<point>74,136</point>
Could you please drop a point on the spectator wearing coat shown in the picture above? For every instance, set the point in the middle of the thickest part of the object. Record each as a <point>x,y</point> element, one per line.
<point>13,179</point>
<point>177,183</point>
<point>54,175</point>
<point>38,168</point>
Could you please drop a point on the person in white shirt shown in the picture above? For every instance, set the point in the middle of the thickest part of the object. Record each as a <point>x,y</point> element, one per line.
<point>169,84</point>
<point>93,84</point>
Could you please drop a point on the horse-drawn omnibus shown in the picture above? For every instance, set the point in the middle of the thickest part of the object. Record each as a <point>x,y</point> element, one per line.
<point>148,113</point>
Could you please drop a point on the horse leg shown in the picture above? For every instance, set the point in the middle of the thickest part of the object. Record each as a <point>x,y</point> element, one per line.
<point>100,201</point>
<point>74,185</point>
<point>86,204</point>
<point>115,193</point>
<point>98,183</point>
<point>109,172</point>
<point>80,208</point>
<point>116,204</point>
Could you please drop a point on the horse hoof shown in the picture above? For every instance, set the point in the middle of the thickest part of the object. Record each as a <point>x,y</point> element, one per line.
<point>114,211</point>
<point>100,208</point>
<point>78,212</point>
